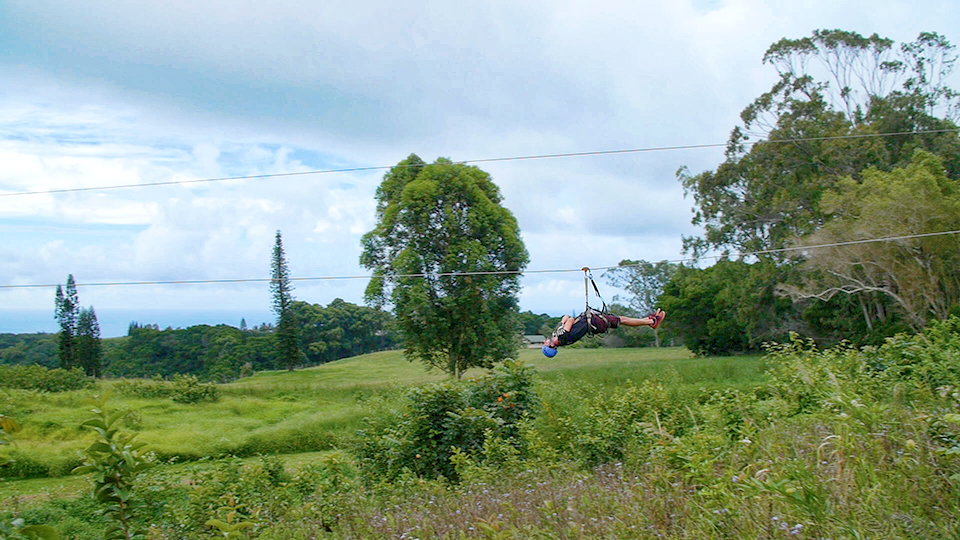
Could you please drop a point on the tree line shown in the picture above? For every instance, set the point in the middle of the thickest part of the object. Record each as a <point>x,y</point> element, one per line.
<point>223,352</point>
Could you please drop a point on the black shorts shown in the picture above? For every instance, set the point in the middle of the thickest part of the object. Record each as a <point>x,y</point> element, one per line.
<point>604,321</point>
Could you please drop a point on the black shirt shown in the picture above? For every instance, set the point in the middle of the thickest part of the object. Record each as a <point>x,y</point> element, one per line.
<point>577,331</point>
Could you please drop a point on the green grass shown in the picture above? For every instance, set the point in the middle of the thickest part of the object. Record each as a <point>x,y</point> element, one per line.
<point>870,461</point>
<point>316,409</point>
<point>676,365</point>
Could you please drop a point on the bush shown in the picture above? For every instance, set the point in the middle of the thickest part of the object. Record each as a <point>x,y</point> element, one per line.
<point>442,417</point>
<point>114,460</point>
<point>606,426</point>
<point>180,504</point>
<point>810,379</point>
<point>189,389</point>
<point>142,388</point>
<point>37,377</point>
<point>930,359</point>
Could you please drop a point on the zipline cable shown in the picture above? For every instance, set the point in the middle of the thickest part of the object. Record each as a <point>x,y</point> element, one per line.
<point>472,161</point>
<point>487,273</point>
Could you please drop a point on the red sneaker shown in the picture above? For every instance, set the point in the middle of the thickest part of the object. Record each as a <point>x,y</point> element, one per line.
<point>657,318</point>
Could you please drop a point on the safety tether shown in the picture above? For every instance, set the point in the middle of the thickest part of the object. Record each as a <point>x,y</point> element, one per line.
<point>589,311</point>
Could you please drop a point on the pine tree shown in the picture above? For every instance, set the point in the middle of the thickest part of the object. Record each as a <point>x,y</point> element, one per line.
<point>89,353</point>
<point>282,291</point>
<point>67,311</point>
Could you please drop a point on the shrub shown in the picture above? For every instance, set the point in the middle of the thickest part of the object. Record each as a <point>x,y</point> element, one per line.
<point>181,503</point>
<point>147,389</point>
<point>189,389</point>
<point>930,359</point>
<point>37,377</point>
<point>606,426</point>
<point>115,461</point>
<point>810,379</point>
<point>442,417</point>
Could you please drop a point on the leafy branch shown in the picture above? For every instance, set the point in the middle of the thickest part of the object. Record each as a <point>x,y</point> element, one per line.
<point>115,461</point>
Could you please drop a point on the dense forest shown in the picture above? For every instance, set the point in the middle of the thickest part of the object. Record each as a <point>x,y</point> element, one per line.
<point>222,352</point>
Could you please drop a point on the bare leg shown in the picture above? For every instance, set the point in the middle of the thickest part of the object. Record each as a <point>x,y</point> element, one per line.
<point>645,321</point>
<point>630,321</point>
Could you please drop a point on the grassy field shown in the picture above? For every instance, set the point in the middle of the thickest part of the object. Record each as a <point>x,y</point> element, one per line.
<point>624,443</point>
<point>316,409</point>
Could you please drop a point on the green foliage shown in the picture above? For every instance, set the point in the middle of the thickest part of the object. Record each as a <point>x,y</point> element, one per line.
<point>810,379</point>
<point>27,349</point>
<point>626,444</point>
<point>189,389</point>
<point>67,311</point>
<point>643,280</point>
<point>23,463</point>
<point>36,377</point>
<point>593,427</point>
<point>842,318</point>
<point>8,426</point>
<point>234,523</point>
<point>115,460</point>
<point>16,530</point>
<point>819,174</point>
<point>762,197</point>
<point>449,418</point>
<point>223,353</point>
<point>538,324</point>
<point>726,308</point>
<point>281,287</point>
<point>156,387</point>
<point>644,283</point>
<point>212,352</point>
<point>929,360</point>
<point>434,223</point>
<point>88,349</point>
<point>341,330</point>
<point>182,389</point>
<point>919,277</point>
<point>188,502</point>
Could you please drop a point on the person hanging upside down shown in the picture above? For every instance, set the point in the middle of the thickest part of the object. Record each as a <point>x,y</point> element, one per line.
<point>572,329</point>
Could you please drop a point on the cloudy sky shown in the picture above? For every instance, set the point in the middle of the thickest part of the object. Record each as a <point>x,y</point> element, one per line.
<point>100,93</point>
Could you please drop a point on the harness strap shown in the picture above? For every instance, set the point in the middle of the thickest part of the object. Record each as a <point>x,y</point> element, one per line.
<point>588,311</point>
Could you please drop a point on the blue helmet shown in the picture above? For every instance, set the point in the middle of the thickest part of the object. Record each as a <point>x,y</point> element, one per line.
<point>549,352</point>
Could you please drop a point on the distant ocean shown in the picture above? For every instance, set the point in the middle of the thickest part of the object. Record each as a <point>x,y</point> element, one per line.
<point>114,323</point>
